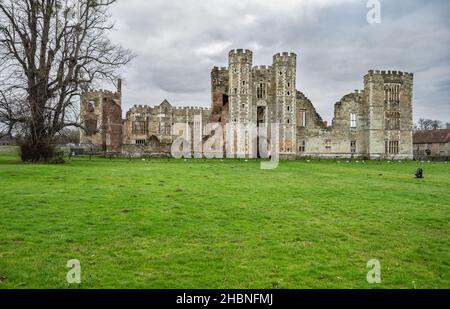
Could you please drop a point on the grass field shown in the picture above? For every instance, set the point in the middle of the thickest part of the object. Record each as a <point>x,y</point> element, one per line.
<point>214,224</point>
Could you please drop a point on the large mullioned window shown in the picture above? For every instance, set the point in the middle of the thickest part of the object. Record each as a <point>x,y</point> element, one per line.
<point>392,120</point>
<point>140,127</point>
<point>261,91</point>
<point>392,147</point>
<point>392,93</point>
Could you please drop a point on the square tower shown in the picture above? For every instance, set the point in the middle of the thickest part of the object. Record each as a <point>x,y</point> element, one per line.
<point>388,99</point>
<point>101,120</point>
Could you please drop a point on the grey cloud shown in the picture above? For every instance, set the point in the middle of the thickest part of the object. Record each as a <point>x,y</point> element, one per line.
<point>178,42</point>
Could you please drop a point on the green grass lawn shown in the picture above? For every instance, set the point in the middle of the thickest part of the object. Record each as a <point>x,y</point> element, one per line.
<point>214,224</point>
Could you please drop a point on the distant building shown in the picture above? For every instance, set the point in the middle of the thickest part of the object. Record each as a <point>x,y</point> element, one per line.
<point>432,143</point>
<point>6,141</point>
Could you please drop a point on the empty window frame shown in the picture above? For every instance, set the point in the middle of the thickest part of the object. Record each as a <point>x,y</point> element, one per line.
<point>392,92</point>
<point>353,120</point>
<point>392,147</point>
<point>328,144</point>
<point>302,147</point>
<point>140,127</point>
<point>353,146</point>
<point>392,120</point>
<point>261,91</point>
<point>302,117</point>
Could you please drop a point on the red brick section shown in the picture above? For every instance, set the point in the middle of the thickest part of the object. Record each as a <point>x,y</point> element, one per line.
<point>219,81</point>
<point>112,120</point>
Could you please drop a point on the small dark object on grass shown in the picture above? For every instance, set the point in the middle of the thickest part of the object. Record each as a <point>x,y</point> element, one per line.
<point>2,279</point>
<point>419,173</point>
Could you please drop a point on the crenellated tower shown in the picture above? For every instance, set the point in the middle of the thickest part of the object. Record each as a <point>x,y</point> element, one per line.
<point>242,111</point>
<point>389,114</point>
<point>240,81</point>
<point>284,77</point>
<point>101,119</point>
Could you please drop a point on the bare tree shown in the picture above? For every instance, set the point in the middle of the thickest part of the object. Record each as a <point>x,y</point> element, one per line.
<point>436,124</point>
<point>420,125</point>
<point>50,51</point>
<point>425,124</point>
<point>428,124</point>
<point>67,136</point>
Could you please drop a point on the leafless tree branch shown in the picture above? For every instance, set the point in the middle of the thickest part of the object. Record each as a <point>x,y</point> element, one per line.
<point>50,50</point>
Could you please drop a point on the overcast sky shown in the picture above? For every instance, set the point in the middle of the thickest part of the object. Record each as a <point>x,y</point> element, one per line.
<point>179,41</point>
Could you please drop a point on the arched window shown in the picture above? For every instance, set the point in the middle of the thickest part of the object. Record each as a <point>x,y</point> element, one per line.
<point>261,91</point>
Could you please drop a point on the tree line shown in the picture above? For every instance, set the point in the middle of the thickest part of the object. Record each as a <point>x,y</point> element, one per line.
<point>429,124</point>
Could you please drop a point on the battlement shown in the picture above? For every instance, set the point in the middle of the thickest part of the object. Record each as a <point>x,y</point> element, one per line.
<point>149,109</point>
<point>192,108</point>
<point>221,69</point>
<point>262,68</point>
<point>284,56</point>
<point>240,56</point>
<point>140,108</point>
<point>238,52</point>
<point>101,93</point>
<point>390,73</point>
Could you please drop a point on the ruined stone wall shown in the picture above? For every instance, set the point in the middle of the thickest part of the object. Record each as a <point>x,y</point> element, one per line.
<point>219,95</point>
<point>142,114</point>
<point>104,108</point>
<point>364,121</point>
<point>343,132</point>
<point>159,134</point>
<point>312,134</point>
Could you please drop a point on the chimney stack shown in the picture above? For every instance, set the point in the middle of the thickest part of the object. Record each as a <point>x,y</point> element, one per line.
<point>119,85</point>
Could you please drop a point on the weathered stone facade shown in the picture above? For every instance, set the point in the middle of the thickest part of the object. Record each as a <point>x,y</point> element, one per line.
<point>374,123</point>
<point>101,120</point>
<point>150,130</point>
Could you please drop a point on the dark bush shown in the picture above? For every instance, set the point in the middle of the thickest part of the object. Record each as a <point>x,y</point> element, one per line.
<point>34,153</point>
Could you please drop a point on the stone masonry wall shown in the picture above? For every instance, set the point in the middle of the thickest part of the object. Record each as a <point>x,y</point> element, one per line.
<point>364,122</point>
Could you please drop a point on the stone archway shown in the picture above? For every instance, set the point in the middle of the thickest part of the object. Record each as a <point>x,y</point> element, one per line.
<point>154,144</point>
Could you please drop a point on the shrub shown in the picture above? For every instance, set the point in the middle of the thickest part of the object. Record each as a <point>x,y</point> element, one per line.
<point>34,153</point>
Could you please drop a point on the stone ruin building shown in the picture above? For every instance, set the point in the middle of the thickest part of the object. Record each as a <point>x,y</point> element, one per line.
<point>373,123</point>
